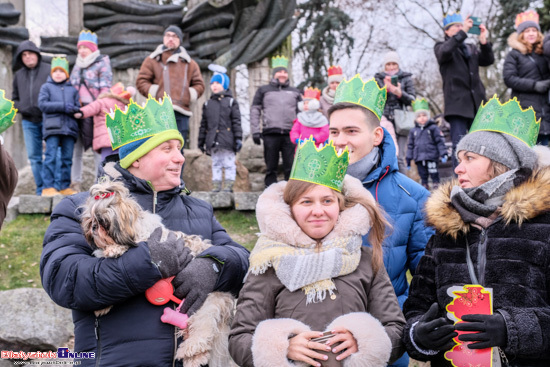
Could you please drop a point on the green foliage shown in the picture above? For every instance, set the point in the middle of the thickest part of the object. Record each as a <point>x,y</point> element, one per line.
<point>241,226</point>
<point>504,23</point>
<point>544,14</point>
<point>322,34</point>
<point>20,249</point>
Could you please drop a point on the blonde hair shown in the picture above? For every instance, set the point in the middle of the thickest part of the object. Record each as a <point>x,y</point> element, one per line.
<point>295,189</point>
<point>537,45</point>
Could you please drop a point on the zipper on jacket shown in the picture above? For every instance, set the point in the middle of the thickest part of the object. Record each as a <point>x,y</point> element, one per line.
<point>482,256</point>
<point>378,183</point>
<point>154,201</point>
<point>32,82</point>
<point>98,338</point>
<point>175,347</point>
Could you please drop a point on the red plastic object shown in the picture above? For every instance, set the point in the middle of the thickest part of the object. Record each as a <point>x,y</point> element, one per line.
<point>162,292</point>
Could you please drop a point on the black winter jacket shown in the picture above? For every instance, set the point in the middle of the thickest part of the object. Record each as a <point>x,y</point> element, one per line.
<point>27,83</point>
<point>279,104</point>
<point>517,268</point>
<point>131,334</point>
<point>462,88</point>
<point>426,143</point>
<point>521,71</point>
<point>53,99</point>
<point>408,93</point>
<point>221,122</point>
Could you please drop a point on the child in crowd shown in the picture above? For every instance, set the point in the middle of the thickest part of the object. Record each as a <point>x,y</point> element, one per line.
<point>58,100</point>
<point>220,134</point>
<point>310,121</point>
<point>105,102</point>
<point>335,77</point>
<point>426,144</point>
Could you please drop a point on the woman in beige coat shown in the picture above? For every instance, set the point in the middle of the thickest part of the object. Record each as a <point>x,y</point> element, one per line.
<point>309,274</point>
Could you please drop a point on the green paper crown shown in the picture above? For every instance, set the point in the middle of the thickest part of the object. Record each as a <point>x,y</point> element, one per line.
<point>7,112</point>
<point>138,122</point>
<point>420,105</point>
<point>322,166</point>
<point>366,94</point>
<point>60,62</point>
<point>508,118</point>
<point>279,62</point>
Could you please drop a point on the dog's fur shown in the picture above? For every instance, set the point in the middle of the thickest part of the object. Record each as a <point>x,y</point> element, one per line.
<point>113,222</point>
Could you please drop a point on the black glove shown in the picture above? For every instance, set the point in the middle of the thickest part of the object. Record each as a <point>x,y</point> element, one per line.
<point>257,138</point>
<point>542,86</point>
<point>238,145</point>
<point>169,256</point>
<point>70,108</point>
<point>195,283</point>
<point>434,333</point>
<point>491,330</point>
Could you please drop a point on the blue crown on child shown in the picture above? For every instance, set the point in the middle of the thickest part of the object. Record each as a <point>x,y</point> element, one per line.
<point>87,36</point>
<point>451,19</point>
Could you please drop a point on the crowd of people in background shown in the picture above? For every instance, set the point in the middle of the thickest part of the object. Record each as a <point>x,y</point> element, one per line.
<point>347,212</point>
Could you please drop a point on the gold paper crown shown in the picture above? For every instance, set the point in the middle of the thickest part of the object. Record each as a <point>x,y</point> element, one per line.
<point>526,16</point>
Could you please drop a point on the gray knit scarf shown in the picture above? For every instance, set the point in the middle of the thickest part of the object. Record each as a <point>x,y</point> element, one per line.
<point>84,62</point>
<point>361,169</point>
<point>311,118</point>
<point>477,204</point>
<point>328,95</point>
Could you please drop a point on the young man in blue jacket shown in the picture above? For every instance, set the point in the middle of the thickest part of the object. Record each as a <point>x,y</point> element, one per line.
<point>355,123</point>
<point>131,333</point>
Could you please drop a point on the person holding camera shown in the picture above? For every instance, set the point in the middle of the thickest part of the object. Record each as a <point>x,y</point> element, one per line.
<point>526,70</point>
<point>459,64</point>
<point>401,93</point>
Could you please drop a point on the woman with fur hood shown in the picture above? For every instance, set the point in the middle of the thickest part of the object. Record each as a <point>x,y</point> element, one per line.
<point>492,229</point>
<point>309,274</point>
<point>105,102</point>
<point>526,70</point>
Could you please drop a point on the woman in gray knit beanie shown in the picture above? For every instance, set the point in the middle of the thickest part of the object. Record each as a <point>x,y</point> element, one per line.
<point>492,230</point>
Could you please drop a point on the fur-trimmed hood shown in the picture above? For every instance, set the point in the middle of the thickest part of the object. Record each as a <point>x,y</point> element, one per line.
<point>276,222</point>
<point>514,43</point>
<point>521,203</point>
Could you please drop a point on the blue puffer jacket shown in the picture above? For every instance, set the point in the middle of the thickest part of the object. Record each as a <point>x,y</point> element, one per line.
<point>131,334</point>
<point>426,143</point>
<point>403,200</point>
<point>52,100</point>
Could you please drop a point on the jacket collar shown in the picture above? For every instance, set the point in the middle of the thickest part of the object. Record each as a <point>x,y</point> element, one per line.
<point>514,43</point>
<point>388,158</point>
<point>521,203</point>
<point>174,58</point>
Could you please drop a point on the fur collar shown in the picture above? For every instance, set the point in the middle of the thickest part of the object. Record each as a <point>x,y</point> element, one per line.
<point>521,203</point>
<point>516,44</point>
<point>276,222</point>
<point>174,58</point>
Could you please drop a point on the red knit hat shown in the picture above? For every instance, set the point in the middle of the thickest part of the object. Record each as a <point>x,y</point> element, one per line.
<point>335,74</point>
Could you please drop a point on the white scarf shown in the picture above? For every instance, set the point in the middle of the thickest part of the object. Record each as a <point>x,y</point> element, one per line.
<point>84,62</point>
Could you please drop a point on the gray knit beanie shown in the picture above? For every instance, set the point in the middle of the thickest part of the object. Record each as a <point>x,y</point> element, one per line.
<point>175,29</point>
<point>499,147</point>
<point>524,25</point>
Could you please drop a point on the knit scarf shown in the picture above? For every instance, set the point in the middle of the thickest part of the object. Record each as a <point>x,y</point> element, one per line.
<point>312,118</point>
<point>478,204</point>
<point>84,62</point>
<point>308,268</point>
<point>328,95</point>
<point>361,169</point>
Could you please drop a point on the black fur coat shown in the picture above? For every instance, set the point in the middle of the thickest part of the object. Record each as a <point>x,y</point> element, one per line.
<point>517,269</point>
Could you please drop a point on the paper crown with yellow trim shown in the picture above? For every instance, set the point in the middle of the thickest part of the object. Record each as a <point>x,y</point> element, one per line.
<point>137,122</point>
<point>508,118</point>
<point>321,166</point>
<point>279,61</point>
<point>60,63</point>
<point>420,104</point>
<point>527,16</point>
<point>312,93</point>
<point>335,70</point>
<point>87,36</point>
<point>451,19</point>
<point>366,94</point>
<point>7,112</point>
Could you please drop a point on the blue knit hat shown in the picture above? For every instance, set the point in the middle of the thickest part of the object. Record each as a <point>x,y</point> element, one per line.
<point>221,78</point>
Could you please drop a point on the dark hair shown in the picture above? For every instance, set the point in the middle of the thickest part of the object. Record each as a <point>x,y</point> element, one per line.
<point>295,189</point>
<point>370,118</point>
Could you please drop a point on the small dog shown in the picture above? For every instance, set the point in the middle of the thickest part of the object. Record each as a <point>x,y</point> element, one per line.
<point>113,222</point>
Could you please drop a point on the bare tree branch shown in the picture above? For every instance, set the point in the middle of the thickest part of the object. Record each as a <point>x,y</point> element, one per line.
<point>421,30</point>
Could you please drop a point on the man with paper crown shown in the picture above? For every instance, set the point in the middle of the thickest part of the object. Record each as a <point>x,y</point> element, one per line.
<point>169,69</point>
<point>150,167</point>
<point>492,229</point>
<point>8,171</point>
<point>276,105</point>
<point>459,64</point>
<point>312,274</point>
<point>355,123</point>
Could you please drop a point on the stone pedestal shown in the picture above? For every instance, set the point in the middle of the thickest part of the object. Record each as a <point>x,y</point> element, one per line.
<point>246,200</point>
<point>218,200</point>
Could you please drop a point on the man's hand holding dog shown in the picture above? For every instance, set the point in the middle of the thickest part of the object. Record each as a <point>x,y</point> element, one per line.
<point>171,255</point>
<point>195,282</point>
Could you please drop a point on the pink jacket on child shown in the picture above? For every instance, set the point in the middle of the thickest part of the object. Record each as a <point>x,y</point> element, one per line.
<point>299,131</point>
<point>98,109</point>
